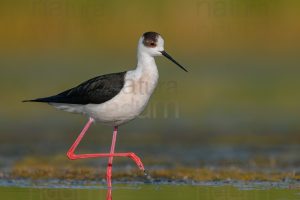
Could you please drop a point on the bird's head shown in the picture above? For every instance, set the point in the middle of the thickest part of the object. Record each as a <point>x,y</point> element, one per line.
<point>152,43</point>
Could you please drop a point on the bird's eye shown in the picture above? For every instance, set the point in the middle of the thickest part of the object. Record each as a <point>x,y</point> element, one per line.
<point>152,43</point>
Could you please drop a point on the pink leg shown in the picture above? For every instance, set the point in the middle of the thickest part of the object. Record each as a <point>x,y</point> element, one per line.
<point>109,165</point>
<point>110,159</point>
<point>71,155</point>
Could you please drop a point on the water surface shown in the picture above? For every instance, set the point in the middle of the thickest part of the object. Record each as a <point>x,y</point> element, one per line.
<point>147,192</point>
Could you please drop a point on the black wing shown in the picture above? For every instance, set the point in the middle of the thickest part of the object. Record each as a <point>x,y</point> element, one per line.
<point>96,90</point>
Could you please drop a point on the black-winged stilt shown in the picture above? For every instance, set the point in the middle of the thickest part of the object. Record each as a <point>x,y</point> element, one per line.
<point>114,99</point>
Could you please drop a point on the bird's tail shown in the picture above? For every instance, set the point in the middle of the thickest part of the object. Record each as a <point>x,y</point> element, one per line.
<point>31,100</point>
<point>42,100</point>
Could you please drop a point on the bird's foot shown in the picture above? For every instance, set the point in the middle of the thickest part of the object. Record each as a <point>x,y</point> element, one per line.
<point>148,177</point>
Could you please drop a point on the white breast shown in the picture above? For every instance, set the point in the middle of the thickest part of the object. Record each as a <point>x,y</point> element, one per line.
<point>129,103</point>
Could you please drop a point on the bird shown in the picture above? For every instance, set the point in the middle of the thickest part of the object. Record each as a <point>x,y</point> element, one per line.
<point>114,99</point>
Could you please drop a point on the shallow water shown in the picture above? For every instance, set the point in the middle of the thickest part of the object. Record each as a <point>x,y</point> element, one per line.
<point>145,192</point>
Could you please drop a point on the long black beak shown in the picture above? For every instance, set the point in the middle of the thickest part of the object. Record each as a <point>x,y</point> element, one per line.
<point>165,54</point>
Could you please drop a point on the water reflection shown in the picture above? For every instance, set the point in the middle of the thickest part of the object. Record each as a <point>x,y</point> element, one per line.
<point>109,193</point>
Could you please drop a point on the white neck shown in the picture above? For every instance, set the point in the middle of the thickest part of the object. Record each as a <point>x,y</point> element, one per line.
<point>146,64</point>
<point>146,71</point>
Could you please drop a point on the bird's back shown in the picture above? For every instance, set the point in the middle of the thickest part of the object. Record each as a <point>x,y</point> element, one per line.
<point>94,91</point>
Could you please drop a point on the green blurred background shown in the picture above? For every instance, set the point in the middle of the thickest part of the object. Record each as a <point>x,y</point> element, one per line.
<point>239,101</point>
